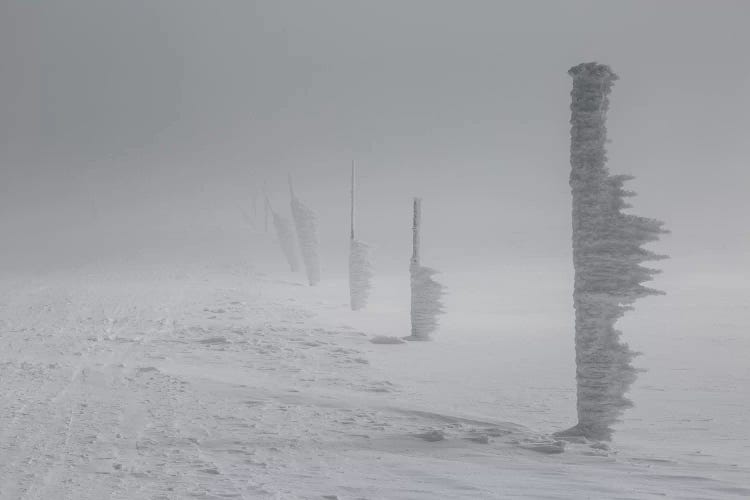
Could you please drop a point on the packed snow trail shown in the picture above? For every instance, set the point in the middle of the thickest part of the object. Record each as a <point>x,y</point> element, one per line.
<point>216,384</point>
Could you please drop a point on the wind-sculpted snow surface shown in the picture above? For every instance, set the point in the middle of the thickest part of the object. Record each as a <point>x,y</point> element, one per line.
<point>285,233</point>
<point>360,274</point>
<point>307,235</point>
<point>426,305</point>
<point>210,381</point>
<point>607,256</point>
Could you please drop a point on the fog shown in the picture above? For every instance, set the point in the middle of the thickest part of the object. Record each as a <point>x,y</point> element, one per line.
<point>155,344</point>
<point>128,126</point>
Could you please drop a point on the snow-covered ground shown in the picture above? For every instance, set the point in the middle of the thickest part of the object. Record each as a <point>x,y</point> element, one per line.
<point>194,381</point>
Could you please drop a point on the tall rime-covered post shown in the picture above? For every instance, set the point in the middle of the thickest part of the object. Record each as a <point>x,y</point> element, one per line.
<point>425,291</point>
<point>360,270</point>
<point>607,257</point>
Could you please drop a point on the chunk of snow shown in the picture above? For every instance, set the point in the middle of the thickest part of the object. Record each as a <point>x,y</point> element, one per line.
<point>384,339</point>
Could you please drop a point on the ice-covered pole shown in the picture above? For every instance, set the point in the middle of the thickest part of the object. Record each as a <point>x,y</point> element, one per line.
<point>607,257</point>
<point>351,235</point>
<point>305,223</point>
<point>285,234</point>
<point>266,208</point>
<point>416,223</point>
<point>255,195</point>
<point>425,291</point>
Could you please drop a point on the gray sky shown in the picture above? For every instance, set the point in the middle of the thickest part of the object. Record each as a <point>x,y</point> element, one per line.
<point>124,122</point>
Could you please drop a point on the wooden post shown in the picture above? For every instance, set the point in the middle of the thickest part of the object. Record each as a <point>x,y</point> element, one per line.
<point>351,235</point>
<point>417,221</point>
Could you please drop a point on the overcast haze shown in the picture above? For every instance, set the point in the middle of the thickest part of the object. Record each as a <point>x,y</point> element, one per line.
<point>124,125</point>
<point>157,342</point>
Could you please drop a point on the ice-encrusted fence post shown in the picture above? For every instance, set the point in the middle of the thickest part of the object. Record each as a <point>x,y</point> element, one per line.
<point>607,257</point>
<point>360,270</point>
<point>425,291</point>
<point>353,200</point>
<point>307,235</point>
<point>285,233</point>
<point>255,195</point>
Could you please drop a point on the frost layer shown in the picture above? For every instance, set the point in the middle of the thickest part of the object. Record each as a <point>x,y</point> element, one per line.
<point>360,274</point>
<point>607,257</point>
<point>425,291</point>
<point>426,294</point>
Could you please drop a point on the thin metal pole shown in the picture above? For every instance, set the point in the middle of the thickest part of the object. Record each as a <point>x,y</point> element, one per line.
<point>351,235</point>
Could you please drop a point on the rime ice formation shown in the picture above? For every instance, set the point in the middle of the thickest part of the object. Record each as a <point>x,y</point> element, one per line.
<point>425,302</point>
<point>360,269</point>
<point>360,274</point>
<point>425,291</point>
<point>285,233</point>
<point>607,257</point>
<point>307,235</point>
